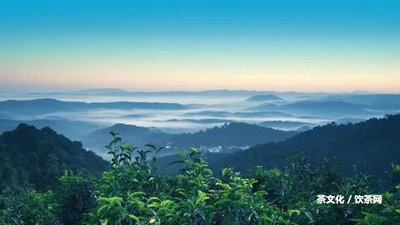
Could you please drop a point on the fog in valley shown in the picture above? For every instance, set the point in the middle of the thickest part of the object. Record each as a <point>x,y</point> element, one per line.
<point>162,117</point>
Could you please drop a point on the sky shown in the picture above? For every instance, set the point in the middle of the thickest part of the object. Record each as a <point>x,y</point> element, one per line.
<point>281,45</point>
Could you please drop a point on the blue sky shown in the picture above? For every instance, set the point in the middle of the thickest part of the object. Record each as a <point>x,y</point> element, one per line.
<point>332,45</point>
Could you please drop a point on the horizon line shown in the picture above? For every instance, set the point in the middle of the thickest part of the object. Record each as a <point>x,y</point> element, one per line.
<point>57,90</point>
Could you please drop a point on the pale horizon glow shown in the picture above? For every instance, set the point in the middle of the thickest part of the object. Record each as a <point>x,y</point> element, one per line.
<point>339,46</point>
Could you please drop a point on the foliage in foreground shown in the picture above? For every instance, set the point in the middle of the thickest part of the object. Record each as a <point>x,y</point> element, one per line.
<point>132,191</point>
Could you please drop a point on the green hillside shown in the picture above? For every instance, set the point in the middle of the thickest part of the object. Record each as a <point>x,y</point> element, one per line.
<point>31,156</point>
<point>370,146</point>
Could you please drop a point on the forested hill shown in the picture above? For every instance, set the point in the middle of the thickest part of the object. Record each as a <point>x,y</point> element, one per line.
<point>37,156</point>
<point>130,133</point>
<point>232,134</point>
<point>229,135</point>
<point>372,146</point>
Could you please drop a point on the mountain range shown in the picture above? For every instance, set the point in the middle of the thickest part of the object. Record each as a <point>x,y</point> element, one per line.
<point>43,106</point>
<point>318,108</point>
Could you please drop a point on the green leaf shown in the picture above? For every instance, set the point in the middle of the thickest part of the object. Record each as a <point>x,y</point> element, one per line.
<point>166,203</point>
<point>309,216</point>
<point>153,199</point>
<point>101,209</point>
<point>225,171</point>
<point>201,197</point>
<point>135,218</point>
<point>153,205</point>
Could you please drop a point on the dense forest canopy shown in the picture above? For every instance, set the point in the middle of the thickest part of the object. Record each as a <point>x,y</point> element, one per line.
<point>371,146</point>
<point>30,156</point>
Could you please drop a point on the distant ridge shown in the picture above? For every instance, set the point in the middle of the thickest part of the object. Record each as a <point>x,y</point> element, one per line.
<point>309,107</point>
<point>385,101</point>
<point>285,124</point>
<point>74,130</point>
<point>47,105</point>
<point>261,98</point>
<point>221,92</point>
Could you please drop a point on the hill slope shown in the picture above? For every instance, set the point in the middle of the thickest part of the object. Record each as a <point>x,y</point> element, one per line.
<point>371,146</point>
<point>238,134</point>
<point>32,156</point>
<point>130,134</point>
<point>228,135</point>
